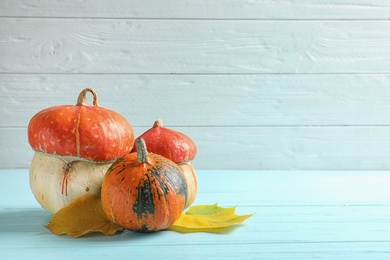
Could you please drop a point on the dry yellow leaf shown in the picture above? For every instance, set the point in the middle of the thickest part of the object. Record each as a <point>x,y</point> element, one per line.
<point>208,218</point>
<point>83,216</point>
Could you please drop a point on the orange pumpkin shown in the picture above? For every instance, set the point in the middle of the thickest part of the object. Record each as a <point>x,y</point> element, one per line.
<point>143,191</point>
<point>90,132</point>
<point>169,143</point>
<point>177,147</point>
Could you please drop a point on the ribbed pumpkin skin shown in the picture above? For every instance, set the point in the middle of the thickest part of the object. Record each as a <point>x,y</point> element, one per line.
<point>144,197</point>
<point>90,132</point>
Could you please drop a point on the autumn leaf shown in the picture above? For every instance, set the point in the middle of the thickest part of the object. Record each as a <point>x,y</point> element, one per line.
<point>208,218</point>
<point>83,216</point>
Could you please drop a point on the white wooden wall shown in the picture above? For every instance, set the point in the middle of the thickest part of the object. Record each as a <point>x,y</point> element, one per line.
<point>258,84</point>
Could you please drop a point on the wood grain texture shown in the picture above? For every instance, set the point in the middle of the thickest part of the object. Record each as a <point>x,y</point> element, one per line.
<point>198,9</point>
<point>288,148</point>
<point>278,84</point>
<point>208,100</point>
<point>188,46</point>
<point>298,214</point>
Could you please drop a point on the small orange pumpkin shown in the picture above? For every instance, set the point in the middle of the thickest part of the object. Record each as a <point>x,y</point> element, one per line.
<point>143,191</point>
<point>169,143</point>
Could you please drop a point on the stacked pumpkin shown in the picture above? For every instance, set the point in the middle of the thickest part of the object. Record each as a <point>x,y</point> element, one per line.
<point>82,150</point>
<point>177,147</point>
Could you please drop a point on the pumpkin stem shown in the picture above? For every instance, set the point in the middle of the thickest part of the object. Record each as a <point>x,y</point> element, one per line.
<point>142,153</point>
<point>82,99</point>
<point>158,123</point>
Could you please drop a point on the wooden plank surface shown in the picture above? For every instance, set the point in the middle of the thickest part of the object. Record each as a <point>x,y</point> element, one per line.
<point>188,46</point>
<point>309,214</point>
<point>288,148</point>
<point>208,100</point>
<point>298,84</point>
<point>198,9</point>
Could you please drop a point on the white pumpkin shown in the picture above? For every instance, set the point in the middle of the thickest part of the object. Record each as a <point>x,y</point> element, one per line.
<point>56,181</point>
<point>189,175</point>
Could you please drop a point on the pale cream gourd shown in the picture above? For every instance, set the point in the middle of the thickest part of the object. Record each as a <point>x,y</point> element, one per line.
<point>189,175</point>
<point>56,181</point>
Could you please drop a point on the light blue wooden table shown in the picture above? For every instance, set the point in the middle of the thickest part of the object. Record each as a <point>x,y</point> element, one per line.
<point>312,214</point>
